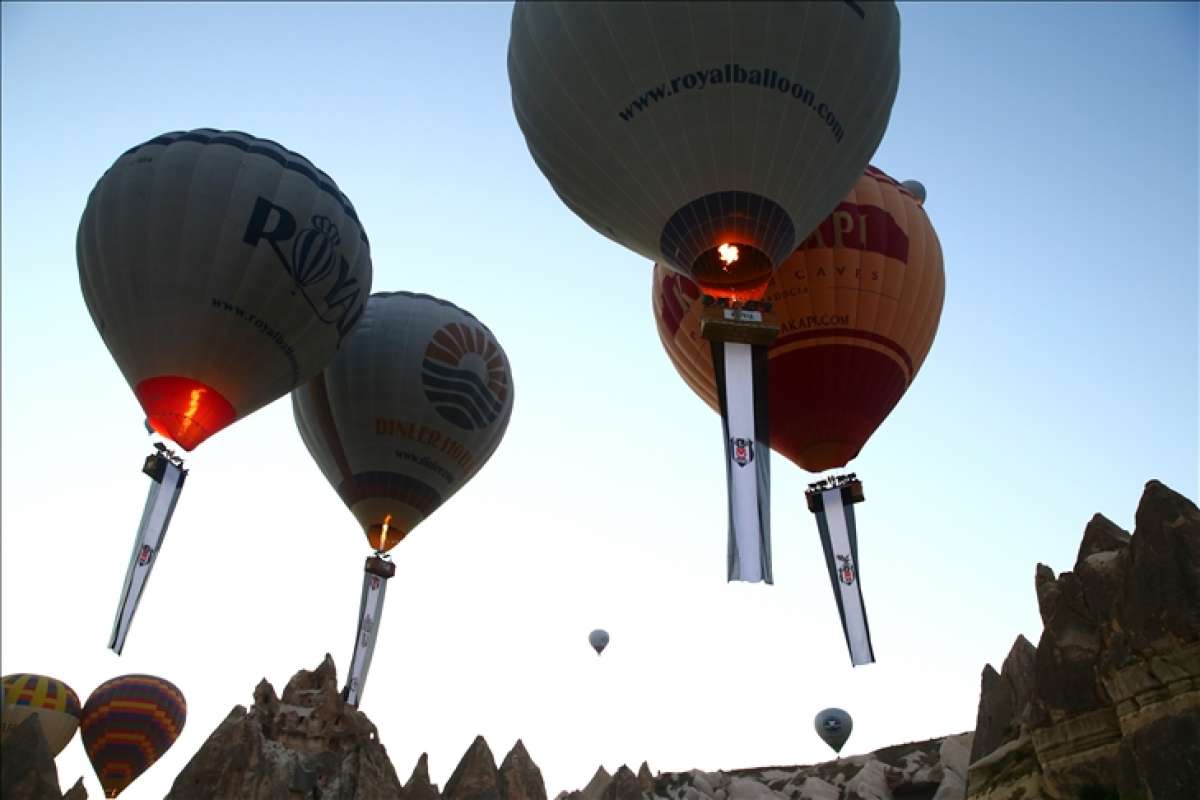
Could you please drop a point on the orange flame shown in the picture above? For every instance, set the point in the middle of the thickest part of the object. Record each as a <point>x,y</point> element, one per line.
<point>383,533</point>
<point>729,254</point>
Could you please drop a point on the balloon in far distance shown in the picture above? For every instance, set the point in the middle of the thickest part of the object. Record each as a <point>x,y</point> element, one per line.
<point>916,189</point>
<point>834,725</point>
<point>128,723</point>
<point>53,702</point>
<point>599,640</point>
<point>412,407</point>
<point>709,137</point>
<point>221,271</point>
<point>859,304</point>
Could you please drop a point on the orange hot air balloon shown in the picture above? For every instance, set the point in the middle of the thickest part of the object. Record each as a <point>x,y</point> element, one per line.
<point>858,303</point>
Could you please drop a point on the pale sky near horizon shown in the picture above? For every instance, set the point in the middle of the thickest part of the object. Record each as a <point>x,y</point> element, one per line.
<point>1058,143</point>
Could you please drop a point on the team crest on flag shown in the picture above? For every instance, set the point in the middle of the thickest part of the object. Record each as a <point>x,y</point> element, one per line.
<point>846,571</point>
<point>374,582</point>
<point>144,555</point>
<point>741,450</point>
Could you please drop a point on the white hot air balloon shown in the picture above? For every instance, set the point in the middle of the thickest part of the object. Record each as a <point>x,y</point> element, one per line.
<point>688,130</point>
<point>711,138</point>
<point>409,411</point>
<point>598,639</point>
<point>221,271</point>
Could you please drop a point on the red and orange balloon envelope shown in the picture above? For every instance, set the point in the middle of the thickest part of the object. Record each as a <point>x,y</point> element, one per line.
<point>128,723</point>
<point>859,303</point>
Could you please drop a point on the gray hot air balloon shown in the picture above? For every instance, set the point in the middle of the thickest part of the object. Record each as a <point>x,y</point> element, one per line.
<point>222,271</point>
<point>711,137</point>
<point>410,410</point>
<point>916,189</point>
<point>833,725</point>
<point>598,640</point>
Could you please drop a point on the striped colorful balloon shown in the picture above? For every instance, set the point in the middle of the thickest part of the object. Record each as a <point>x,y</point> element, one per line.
<point>53,702</point>
<point>127,724</point>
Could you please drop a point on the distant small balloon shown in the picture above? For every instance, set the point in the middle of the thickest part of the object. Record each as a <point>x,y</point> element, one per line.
<point>599,640</point>
<point>833,725</point>
<point>916,189</point>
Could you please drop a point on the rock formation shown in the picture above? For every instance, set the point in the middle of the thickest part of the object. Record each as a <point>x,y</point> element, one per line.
<point>308,744</point>
<point>27,770</point>
<point>1108,704</point>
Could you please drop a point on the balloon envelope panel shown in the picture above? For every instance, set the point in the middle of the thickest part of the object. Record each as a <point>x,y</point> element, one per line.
<point>221,271</point>
<point>675,127</point>
<point>128,723</point>
<point>833,725</point>
<point>859,303</point>
<point>53,702</point>
<point>410,409</point>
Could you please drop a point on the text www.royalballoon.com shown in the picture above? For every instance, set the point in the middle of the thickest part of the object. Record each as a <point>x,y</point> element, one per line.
<point>765,78</point>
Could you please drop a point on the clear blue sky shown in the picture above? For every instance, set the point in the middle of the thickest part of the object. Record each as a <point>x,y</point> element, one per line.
<point>1059,146</point>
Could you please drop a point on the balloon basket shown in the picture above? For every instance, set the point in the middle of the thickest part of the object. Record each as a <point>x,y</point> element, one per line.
<point>751,322</point>
<point>376,573</point>
<point>167,474</point>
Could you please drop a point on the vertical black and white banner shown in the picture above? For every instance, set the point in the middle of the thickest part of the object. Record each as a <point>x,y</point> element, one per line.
<point>370,610</point>
<point>166,484</point>
<point>741,373</point>
<point>839,539</point>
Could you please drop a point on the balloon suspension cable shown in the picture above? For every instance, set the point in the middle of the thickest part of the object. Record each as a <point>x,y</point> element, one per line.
<point>166,473</point>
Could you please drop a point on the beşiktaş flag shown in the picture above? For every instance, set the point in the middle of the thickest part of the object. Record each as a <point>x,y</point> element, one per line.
<point>370,612</point>
<point>839,539</point>
<point>166,484</point>
<point>741,373</point>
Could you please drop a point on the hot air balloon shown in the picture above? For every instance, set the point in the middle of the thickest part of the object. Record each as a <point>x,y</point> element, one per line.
<point>833,725</point>
<point>128,723</point>
<point>859,303</point>
<point>410,410</point>
<point>221,271</point>
<point>50,700</point>
<point>710,137</point>
<point>598,639</point>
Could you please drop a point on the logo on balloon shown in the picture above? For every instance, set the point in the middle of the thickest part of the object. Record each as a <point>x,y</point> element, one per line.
<point>741,451</point>
<point>846,571</point>
<point>145,555</point>
<point>465,376</point>
<point>316,251</point>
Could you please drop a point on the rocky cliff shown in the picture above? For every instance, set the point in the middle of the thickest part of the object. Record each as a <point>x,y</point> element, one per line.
<point>1108,703</point>
<point>27,770</point>
<point>935,769</point>
<point>307,744</point>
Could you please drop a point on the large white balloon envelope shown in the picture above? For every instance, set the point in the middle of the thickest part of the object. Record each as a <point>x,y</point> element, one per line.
<point>221,270</point>
<point>409,410</point>
<point>711,137</point>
